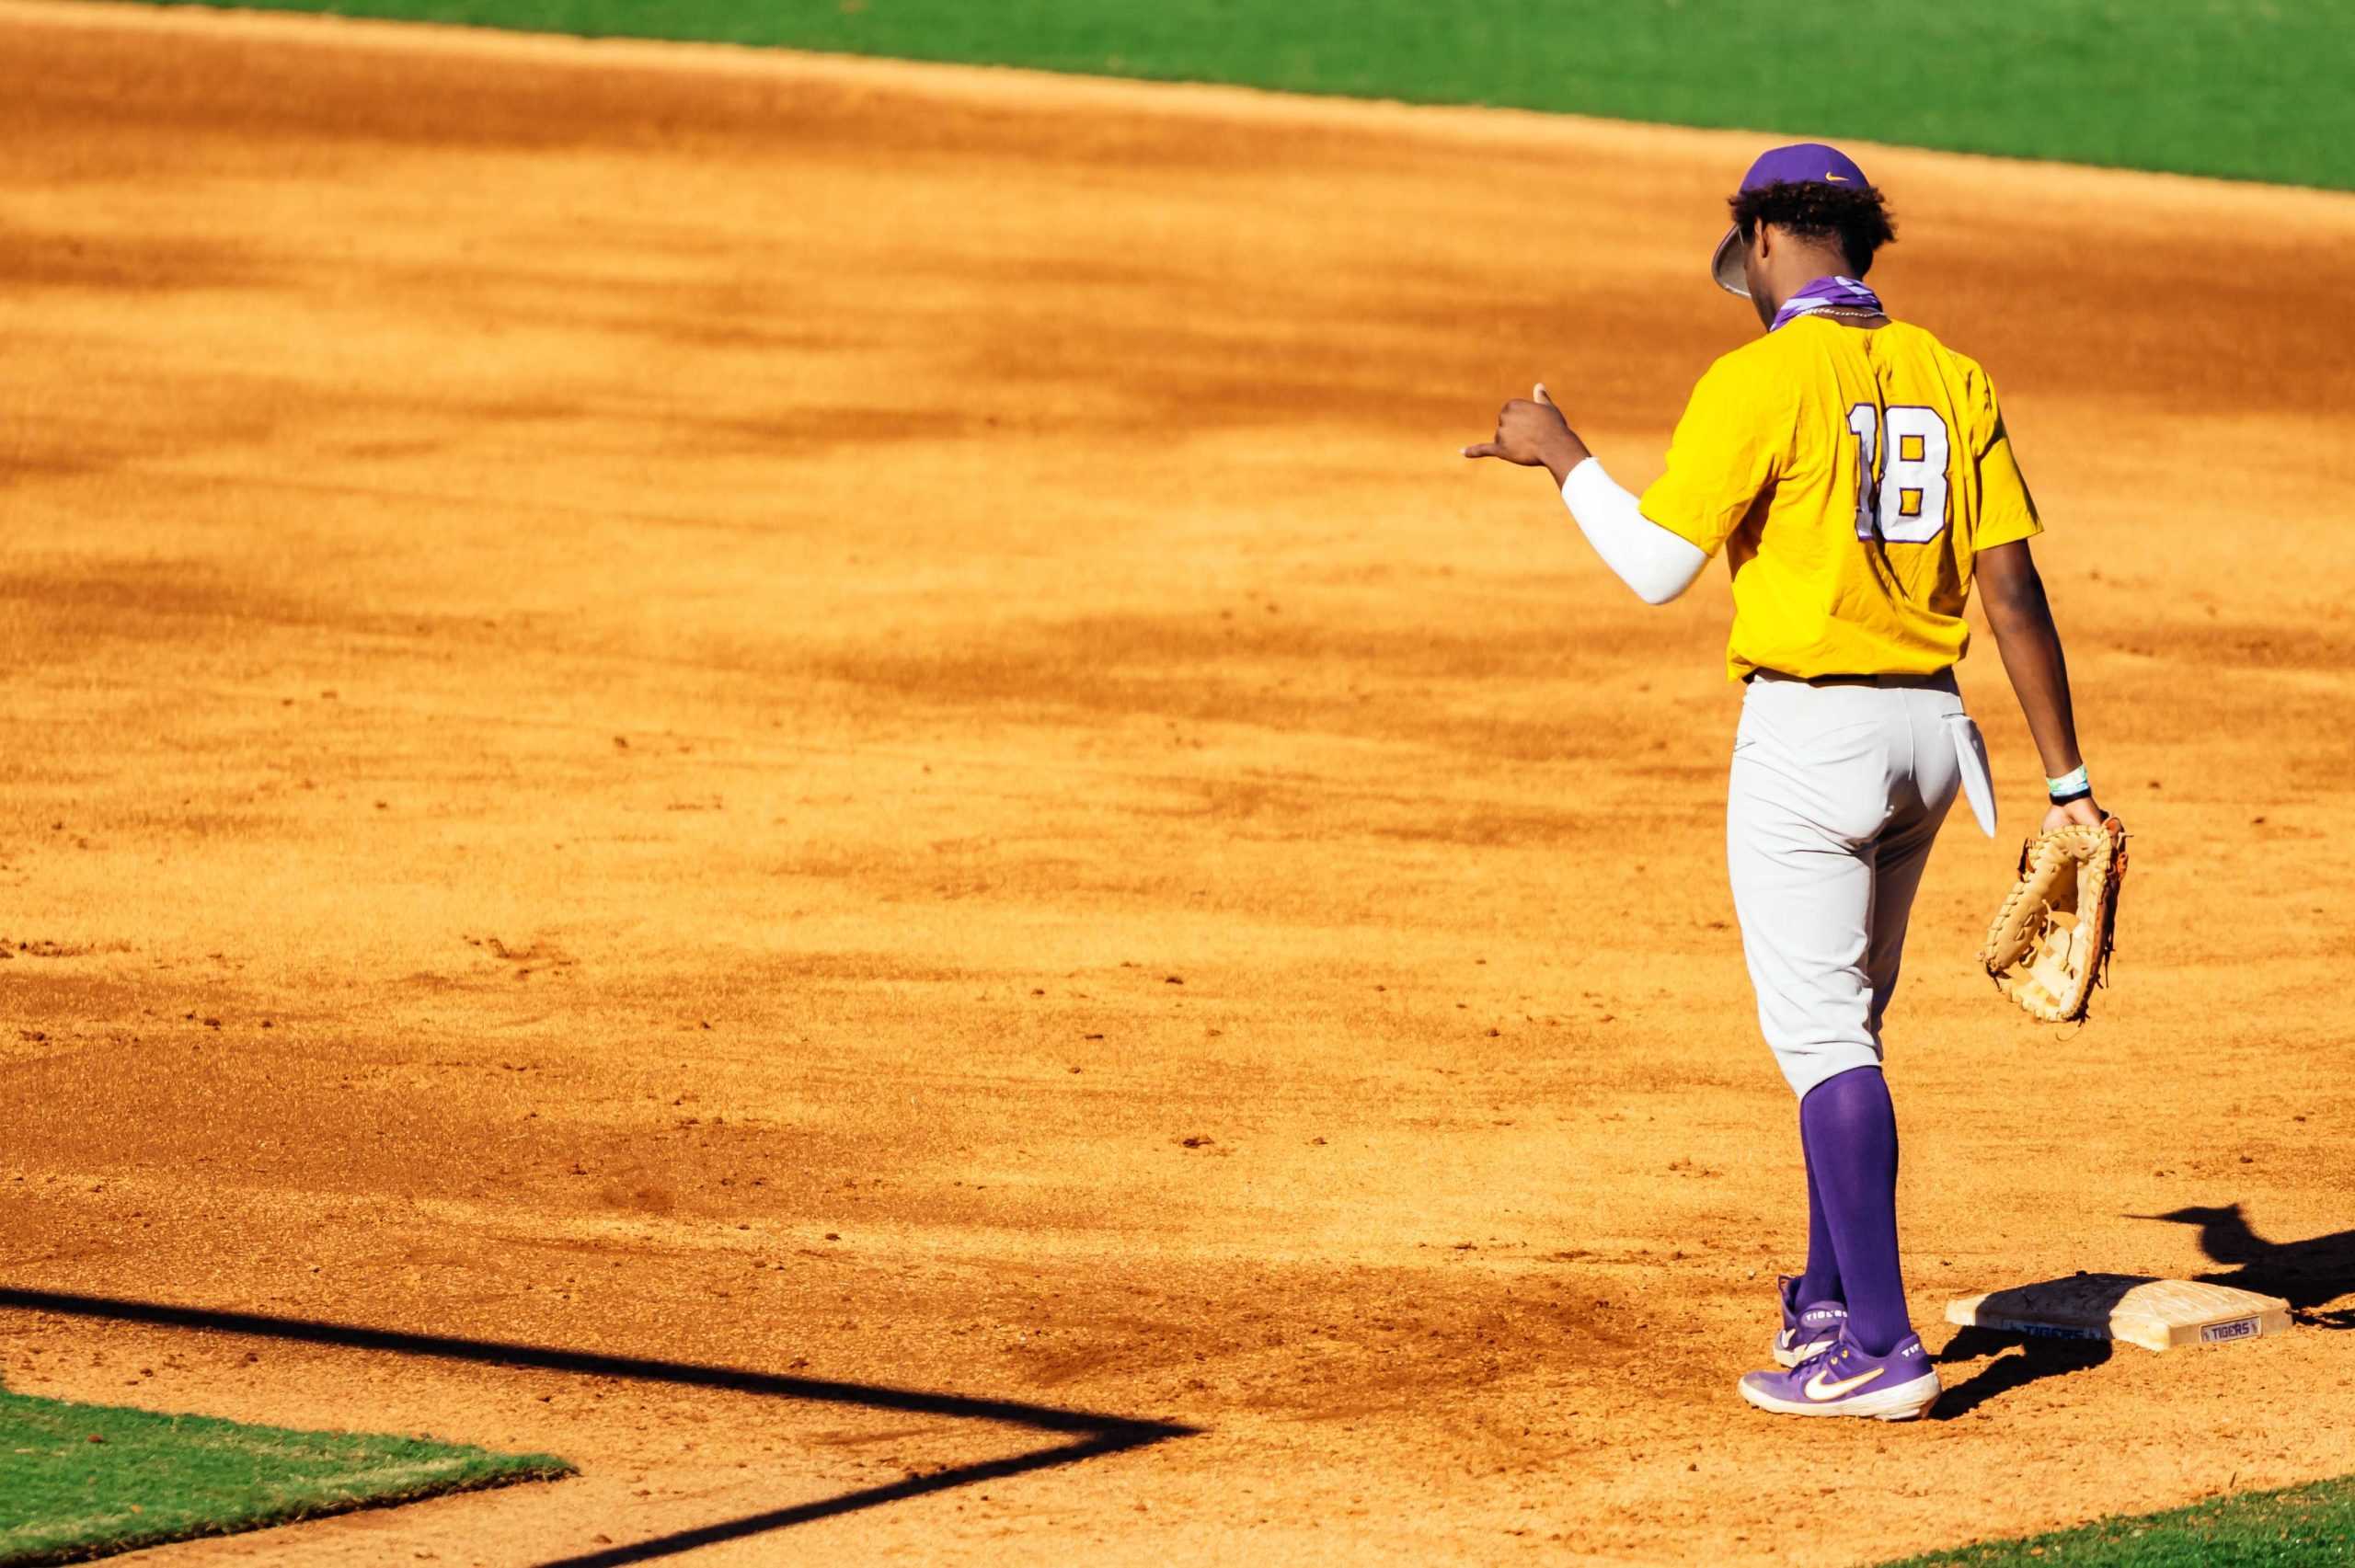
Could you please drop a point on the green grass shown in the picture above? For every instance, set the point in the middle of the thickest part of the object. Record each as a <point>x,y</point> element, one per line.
<point>2251,89</point>
<point>83,1481</point>
<point>2300,1525</point>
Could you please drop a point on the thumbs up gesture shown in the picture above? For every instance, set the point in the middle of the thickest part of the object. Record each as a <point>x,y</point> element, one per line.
<point>1532,432</point>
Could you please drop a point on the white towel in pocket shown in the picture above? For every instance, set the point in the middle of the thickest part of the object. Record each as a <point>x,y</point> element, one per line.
<point>1977,781</point>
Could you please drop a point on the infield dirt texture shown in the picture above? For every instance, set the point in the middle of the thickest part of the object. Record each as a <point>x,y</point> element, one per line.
<point>853,719</point>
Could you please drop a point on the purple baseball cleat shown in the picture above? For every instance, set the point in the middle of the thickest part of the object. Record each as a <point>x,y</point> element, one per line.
<point>1807,1331</point>
<point>1844,1380</point>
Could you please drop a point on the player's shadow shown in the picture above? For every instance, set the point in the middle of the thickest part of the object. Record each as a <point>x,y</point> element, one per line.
<point>1089,1435</point>
<point>2020,1359</point>
<point>2018,1364</point>
<point>2310,1274</point>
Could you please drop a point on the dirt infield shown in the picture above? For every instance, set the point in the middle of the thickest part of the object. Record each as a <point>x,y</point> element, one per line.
<point>854,721</point>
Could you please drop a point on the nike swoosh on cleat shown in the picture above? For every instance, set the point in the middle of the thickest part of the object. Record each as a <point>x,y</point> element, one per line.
<point>1837,178</point>
<point>1819,1390</point>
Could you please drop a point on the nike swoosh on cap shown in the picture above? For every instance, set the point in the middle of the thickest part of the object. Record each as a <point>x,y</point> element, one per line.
<point>1798,164</point>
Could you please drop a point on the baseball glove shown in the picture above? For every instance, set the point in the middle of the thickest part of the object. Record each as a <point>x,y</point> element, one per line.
<point>2049,945</point>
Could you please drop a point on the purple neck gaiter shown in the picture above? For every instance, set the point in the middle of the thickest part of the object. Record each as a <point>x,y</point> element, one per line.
<point>1828,293</point>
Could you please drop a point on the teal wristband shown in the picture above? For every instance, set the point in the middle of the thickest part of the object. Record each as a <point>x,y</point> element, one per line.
<point>2069,786</point>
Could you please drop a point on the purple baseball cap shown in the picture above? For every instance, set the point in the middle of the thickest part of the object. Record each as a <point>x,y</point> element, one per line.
<point>1801,163</point>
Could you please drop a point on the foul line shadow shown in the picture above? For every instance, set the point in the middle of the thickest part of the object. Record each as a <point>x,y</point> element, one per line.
<point>1098,1435</point>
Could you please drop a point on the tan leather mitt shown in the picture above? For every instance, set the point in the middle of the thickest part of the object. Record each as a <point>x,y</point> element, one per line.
<point>2049,945</point>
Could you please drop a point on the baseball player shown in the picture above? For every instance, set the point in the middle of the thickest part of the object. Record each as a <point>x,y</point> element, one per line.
<point>1857,473</point>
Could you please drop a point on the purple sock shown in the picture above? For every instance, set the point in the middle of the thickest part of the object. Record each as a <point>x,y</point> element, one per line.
<point>1849,1130</point>
<point>1820,1281</point>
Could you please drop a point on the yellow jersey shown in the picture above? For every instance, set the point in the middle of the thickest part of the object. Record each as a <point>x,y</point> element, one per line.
<point>1850,475</point>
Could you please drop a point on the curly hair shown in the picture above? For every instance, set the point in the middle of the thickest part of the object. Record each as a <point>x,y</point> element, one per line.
<point>1853,214</point>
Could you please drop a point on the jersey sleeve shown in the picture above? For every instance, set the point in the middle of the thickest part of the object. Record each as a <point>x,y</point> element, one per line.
<point>1729,446</point>
<point>2007,510</point>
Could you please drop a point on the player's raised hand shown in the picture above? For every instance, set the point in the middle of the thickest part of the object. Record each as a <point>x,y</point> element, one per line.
<point>1532,432</point>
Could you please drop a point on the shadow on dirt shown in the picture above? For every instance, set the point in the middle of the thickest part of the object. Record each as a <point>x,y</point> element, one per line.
<point>2032,1360</point>
<point>2309,1275</point>
<point>1095,1435</point>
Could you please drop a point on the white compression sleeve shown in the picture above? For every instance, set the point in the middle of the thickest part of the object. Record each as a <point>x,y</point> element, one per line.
<point>1656,564</point>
